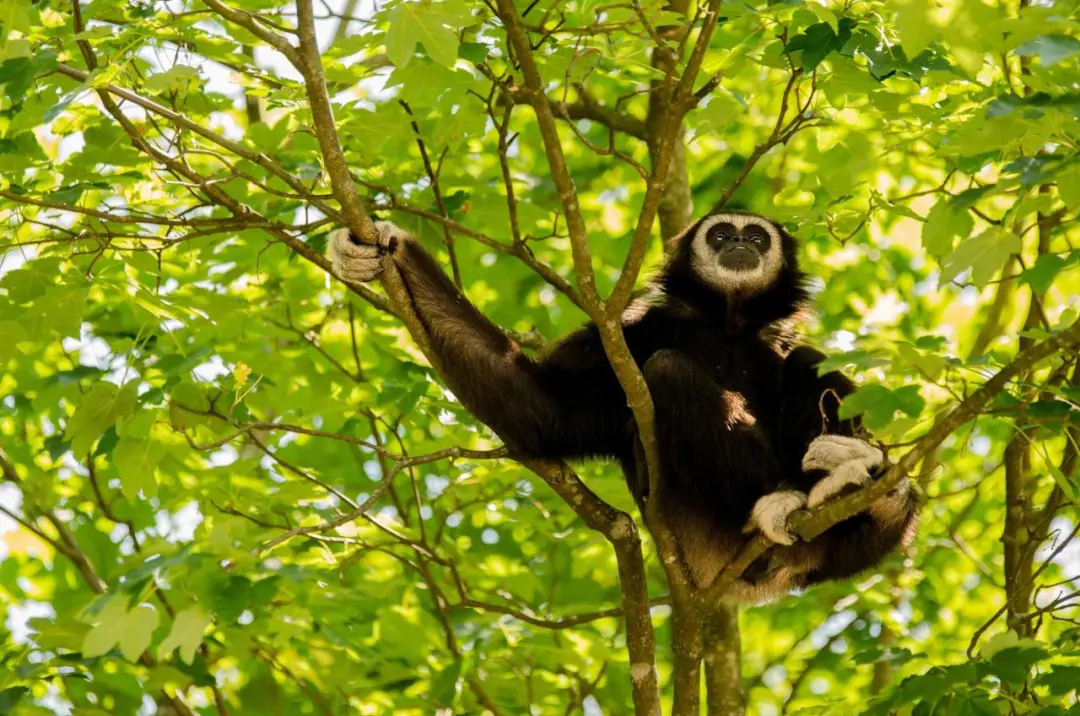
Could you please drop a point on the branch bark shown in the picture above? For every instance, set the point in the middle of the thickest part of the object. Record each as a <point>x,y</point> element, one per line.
<point>586,107</point>
<point>236,148</point>
<point>723,663</point>
<point>620,530</point>
<point>534,86</point>
<point>1020,536</point>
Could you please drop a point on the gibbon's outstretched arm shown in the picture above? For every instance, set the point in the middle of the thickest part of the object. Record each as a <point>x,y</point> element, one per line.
<point>558,407</point>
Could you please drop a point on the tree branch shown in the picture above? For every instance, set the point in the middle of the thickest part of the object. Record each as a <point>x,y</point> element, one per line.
<point>620,530</point>
<point>586,107</point>
<point>560,172</point>
<point>433,178</point>
<point>236,148</point>
<point>663,147</point>
<point>250,22</point>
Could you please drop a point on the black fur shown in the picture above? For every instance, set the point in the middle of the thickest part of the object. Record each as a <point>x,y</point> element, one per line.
<point>734,411</point>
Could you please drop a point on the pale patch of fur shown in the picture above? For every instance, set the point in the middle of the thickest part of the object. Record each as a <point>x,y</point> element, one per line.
<point>747,282</point>
<point>779,584</point>
<point>736,411</point>
<point>771,512</point>
<point>653,298</point>
<point>892,509</point>
<point>637,308</point>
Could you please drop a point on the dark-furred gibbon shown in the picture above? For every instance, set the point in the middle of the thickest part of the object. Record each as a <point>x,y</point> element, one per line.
<point>748,431</point>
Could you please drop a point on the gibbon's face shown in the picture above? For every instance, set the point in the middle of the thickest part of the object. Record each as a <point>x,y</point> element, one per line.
<point>737,253</point>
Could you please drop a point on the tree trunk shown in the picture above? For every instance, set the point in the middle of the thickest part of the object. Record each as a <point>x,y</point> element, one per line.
<point>723,663</point>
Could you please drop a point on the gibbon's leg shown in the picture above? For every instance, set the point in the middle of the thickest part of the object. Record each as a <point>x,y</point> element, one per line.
<point>717,462</point>
<point>833,461</point>
<point>567,405</point>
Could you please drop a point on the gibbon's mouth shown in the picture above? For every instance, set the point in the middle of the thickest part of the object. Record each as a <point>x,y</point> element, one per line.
<point>739,258</point>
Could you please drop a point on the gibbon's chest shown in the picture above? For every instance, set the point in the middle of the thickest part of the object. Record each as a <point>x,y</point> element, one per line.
<point>746,367</point>
<point>747,370</point>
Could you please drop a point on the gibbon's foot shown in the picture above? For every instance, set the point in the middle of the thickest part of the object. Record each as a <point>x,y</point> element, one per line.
<point>771,512</point>
<point>357,262</point>
<point>850,462</point>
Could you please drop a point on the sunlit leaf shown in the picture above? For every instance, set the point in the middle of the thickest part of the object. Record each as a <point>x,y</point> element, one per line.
<point>186,634</point>
<point>99,409</point>
<point>983,255</point>
<point>943,225</point>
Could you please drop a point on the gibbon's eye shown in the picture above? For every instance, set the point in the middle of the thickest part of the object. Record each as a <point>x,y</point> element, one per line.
<point>756,234</point>
<point>720,233</point>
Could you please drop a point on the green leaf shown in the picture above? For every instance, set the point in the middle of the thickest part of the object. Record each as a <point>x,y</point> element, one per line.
<point>60,310</point>
<point>826,15</point>
<point>102,407</point>
<point>984,254</point>
<point>401,38</point>
<point>10,698</point>
<point>59,633</point>
<point>186,634</point>
<point>138,628</point>
<point>872,401</point>
<point>1050,49</point>
<point>818,41</point>
<point>14,17</point>
<point>1070,485</point>
<point>1068,186</point>
<point>114,625</point>
<point>1042,274</point>
<point>931,365</point>
<point>858,358</point>
<point>915,27</point>
<point>105,445</point>
<point>108,626</point>
<point>1061,679</point>
<point>17,75</point>
<point>944,223</point>
<point>24,285</point>
<point>878,404</point>
<point>12,334</point>
<point>412,23</point>
<point>908,400</point>
<point>445,685</point>
<point>474,52</point>
<point>1013,664</point>
<point>175,79</point>
<point>137,461</point>
<point>720,113</point>
<point>57,109</point>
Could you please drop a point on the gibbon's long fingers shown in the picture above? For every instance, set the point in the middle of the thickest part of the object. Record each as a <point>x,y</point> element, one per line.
<point>770,515</point>
<point>852,474</point>
<point>355,262</point>
<point>829,452</point>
